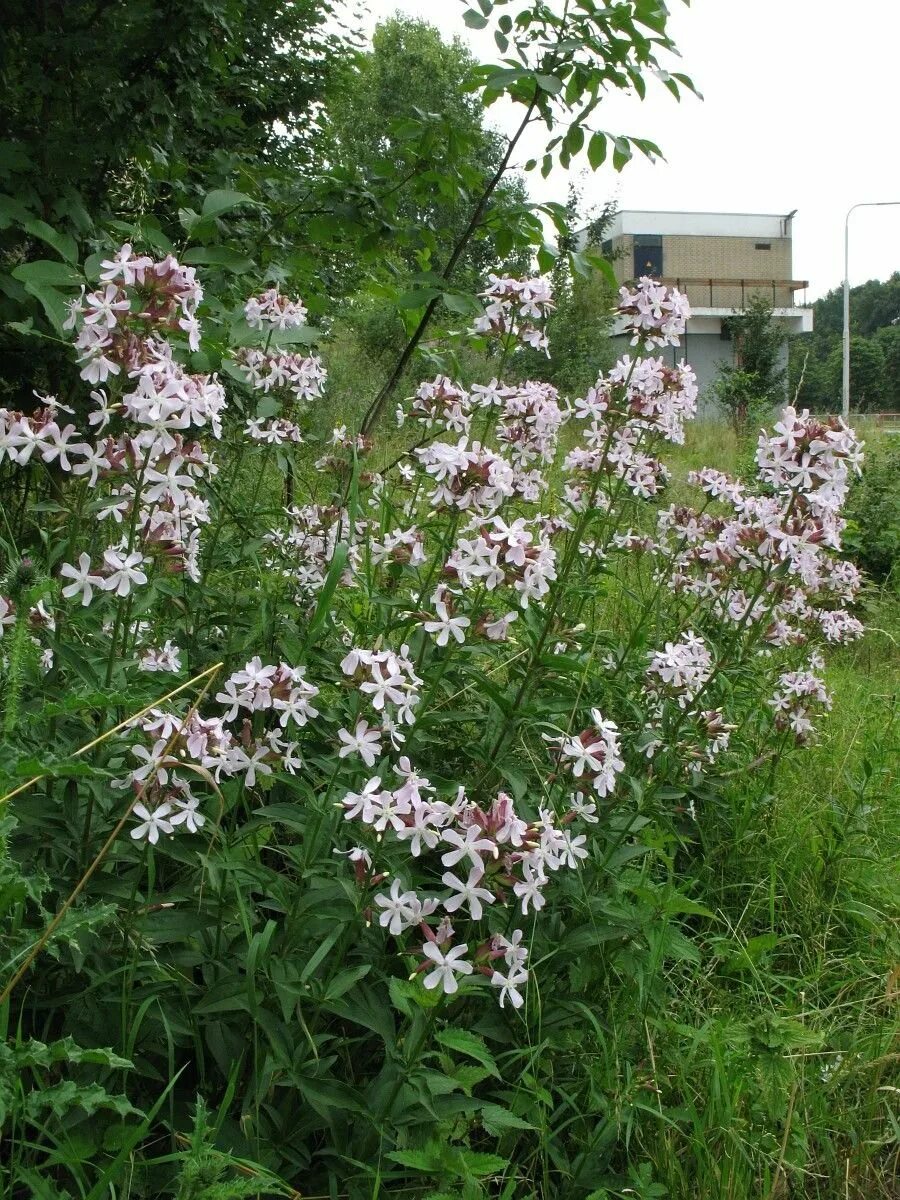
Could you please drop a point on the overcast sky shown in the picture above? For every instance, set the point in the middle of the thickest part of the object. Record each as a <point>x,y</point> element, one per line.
<point>799,110</point>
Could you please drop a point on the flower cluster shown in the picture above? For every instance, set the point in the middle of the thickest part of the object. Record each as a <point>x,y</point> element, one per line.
<point>593,757</point>
<point>680,670</point>
<point>467,475</point>
<point>141,297</point>
<point>274,432</point>
<point>440,402</point>
<point>206,745</point>
<point>493,553</point>
<point>810,457</point>
<point>796,694</point>
<point>530,419</point>
<point>638,401</point>
<point>653,314</point>
<point>516,308</point>
<point>274,311</point>
<point>388,681</point>
<point>299,376</point>
<point>486,855</point>
<point>147,472</point>
<point>770,561</point>
<point>161,658</point>
<point>302,553</point>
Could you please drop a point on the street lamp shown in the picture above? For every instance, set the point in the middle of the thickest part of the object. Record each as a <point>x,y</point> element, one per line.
<point>845,389</point>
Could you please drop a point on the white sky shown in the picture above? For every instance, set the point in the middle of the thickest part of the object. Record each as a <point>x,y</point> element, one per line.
<point>800,110</point>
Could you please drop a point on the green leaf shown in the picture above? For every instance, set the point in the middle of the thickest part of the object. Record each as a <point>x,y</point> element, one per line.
<point>217,256</point>
<point>302,335</point>
<point>474,20</point>
<point>459,303</point>
<point>597,150</point>
<point>47,270</point>
<point>409,994</point>
<point>38,1054</point>
<point>418,298</point>
<point>62,1097</point>
<point>483,1164</point>
<point>496,1119</point>
<point>62,243</point>
<point>621,152</point>
<point>467,1075</point>
<point>11,210</point>
<point>320,953</point>
<point>230,996</point>
<point>345,980</point>
<point>52,302</point>
<point>464,1042</point>
<point>417,1160</point>
<point>221,200</point>
<point>549,83</point>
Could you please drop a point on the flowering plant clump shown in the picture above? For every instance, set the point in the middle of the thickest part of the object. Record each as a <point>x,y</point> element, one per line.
<point>386,729</point>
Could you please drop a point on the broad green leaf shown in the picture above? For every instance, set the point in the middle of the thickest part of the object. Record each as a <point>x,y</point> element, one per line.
<point>474,20</point>
<point>496,1119</point>
<point>459,303</point>
<point>62,1097</point>
<point>597,150</point>
<point>62,243</point>
<point>217,256</point>
<point>221,200</point>
<point>483,1164</point>
<point>549,83</point>
<point>409,994</point>
<point>417,1160</point>
<point>418,298</point>
<point>464,1042</point>
<point>53,303</point>
<point>48,271</point>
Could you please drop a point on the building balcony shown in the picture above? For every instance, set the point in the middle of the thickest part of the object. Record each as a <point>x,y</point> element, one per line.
<point>727,295</point>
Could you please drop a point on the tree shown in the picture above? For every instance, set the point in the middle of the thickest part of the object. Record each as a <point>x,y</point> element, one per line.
<point>867,373</point>
<point>756,380</point>
<point>122,104</point>
<point>888,339</point>
<point>120,116</point>
<point>873,304</point>
<point>579,327</point>
<point>874,307</point>
<point>809,380</point>
<point>557,68</point>
<point>405,119</point>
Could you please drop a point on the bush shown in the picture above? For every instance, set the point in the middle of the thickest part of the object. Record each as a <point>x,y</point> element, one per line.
<point>353,784</point>
<point>873,514</point>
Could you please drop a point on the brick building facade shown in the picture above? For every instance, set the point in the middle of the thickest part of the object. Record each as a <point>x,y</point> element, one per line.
<point>719,260</point>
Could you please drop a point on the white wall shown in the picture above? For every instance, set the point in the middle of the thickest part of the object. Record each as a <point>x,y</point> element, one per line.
<point>711,224</point>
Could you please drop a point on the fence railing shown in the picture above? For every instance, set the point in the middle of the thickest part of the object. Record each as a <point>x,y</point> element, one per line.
<point>706,292</point>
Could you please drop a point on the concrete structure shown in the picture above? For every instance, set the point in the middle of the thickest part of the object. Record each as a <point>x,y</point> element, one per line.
<point>719,260</point>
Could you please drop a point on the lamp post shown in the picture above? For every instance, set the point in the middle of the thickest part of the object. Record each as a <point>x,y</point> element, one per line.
<point>845,380</point>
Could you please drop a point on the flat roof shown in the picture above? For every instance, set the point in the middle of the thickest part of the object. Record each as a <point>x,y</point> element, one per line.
<point>703,224</point>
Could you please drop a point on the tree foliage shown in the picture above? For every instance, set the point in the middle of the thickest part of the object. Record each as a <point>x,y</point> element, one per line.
<point>747,389</point>
<point>816,358</point>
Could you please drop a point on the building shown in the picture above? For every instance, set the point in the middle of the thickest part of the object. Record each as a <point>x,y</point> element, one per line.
<point>719,260</point>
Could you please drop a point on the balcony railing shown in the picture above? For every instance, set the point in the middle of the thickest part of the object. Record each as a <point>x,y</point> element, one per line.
<point>734,293</point>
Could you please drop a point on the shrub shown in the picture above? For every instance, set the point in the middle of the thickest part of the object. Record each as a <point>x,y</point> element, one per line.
<point>873,513</point>
<point>337,779</point>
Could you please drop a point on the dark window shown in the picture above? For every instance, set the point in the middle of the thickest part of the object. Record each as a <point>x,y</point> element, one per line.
<point>763,245</point>
<point>648,255</point>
